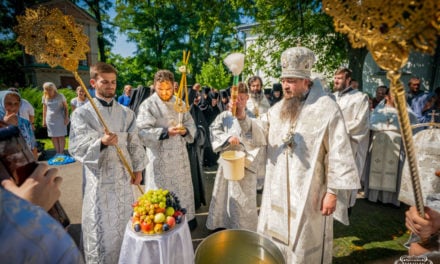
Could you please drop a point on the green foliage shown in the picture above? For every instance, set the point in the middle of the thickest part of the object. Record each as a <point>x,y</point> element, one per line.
<point>163,29</point>
<point>10,63</point>
<point>283,24</point>
<point>130,72</point>
<point>34,96</point>
<point>214,75</point>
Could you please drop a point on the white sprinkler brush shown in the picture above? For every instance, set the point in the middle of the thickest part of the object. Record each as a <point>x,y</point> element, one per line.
<point>235,63</point>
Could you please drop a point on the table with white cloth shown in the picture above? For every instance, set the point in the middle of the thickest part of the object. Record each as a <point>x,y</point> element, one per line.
<point>174,246</point>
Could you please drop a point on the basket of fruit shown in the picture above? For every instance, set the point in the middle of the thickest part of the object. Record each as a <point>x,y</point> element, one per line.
<point>156,212</point>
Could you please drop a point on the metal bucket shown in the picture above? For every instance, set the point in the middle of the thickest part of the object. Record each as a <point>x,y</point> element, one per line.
<point>238,246</point>
<point>232,162</point>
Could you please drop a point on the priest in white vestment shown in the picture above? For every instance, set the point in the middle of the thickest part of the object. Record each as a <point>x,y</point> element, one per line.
<point>234,203</point>
<point>309,161</point>
<point>356,111</point>
<point>258,105</point>
<point>107,192</point>
<point>386,155</point>
<point>168,162</point>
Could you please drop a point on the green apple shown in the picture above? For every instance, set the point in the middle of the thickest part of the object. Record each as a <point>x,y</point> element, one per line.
<point>169,211</point>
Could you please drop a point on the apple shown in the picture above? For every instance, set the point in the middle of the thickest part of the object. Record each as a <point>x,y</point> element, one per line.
<point>171,222</point>
<point>169,211</point>
<point>159,218</point>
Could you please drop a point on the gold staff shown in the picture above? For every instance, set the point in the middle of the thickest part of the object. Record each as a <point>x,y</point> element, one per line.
<point>390,30</point>
<point>54,38</point>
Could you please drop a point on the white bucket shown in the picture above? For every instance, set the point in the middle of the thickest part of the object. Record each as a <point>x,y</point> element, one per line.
<point>233,164</point>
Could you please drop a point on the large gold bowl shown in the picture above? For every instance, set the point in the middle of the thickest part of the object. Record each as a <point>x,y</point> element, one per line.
<point>238,246</point>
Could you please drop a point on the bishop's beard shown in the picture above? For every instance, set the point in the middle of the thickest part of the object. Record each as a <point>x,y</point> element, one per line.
<point>290,108</point>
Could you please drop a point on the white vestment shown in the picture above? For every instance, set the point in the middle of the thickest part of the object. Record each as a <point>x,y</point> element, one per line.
<point>108,194</point>
<point>427,150</point>
<point>297,179</point>
<point>234,203</point>
<point>168,163</point>
<point>356,111</point>
<point>258,108</point>
<point>382,174</point>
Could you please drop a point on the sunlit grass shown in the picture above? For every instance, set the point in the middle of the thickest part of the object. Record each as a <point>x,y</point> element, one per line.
<point>48,144</point>
<point>376,232</point>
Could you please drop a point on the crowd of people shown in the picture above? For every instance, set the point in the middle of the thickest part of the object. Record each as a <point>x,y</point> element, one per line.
<point>309,153</point>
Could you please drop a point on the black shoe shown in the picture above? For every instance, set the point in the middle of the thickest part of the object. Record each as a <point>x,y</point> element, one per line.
<point>192,224</point>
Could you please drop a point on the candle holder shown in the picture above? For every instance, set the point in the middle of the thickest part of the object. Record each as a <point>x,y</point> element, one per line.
<point>181,105</point>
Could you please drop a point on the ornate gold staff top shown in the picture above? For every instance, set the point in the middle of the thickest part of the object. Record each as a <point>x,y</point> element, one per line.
<point>390,30</point>
<point>54,38</point>
<point>179,106</point>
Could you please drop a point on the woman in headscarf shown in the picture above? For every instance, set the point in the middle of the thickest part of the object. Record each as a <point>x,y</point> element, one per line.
<point>9,112</point>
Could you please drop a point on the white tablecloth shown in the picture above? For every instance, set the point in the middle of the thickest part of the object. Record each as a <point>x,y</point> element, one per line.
<point>174,246</point>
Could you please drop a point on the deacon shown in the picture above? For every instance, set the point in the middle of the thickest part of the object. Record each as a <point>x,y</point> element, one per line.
<point>309,160</point>
<point>107,193</point>
<point>168,163</point>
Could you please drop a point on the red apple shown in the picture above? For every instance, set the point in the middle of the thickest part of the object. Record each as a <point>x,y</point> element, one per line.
<point>171,221</point>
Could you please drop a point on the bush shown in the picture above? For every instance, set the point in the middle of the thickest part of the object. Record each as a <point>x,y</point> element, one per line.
<point>34,96</point>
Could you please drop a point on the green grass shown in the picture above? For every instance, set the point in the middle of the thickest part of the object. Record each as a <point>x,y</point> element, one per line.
<point>376,232</point>
<point>48,145</point>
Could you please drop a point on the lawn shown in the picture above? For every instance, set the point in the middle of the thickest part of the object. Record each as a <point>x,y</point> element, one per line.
<point>48,145</point>
<point>376,232</point>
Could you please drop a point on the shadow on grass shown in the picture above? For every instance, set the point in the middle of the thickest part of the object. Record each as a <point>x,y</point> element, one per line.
<point>365,257</point>
<point>376,231</point>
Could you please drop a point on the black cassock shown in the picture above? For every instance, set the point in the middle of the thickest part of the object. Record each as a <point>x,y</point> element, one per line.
<point>195,154</point>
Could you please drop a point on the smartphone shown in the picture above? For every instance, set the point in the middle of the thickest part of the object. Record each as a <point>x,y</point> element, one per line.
<point>17,162</point>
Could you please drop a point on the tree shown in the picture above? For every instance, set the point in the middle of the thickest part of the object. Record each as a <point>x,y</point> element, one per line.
<point>163,29</point>
<point>285,23</point>
<point>99,10</point>
<point>11,53</point>
<point>128,71</point>
<point>214,75</point>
